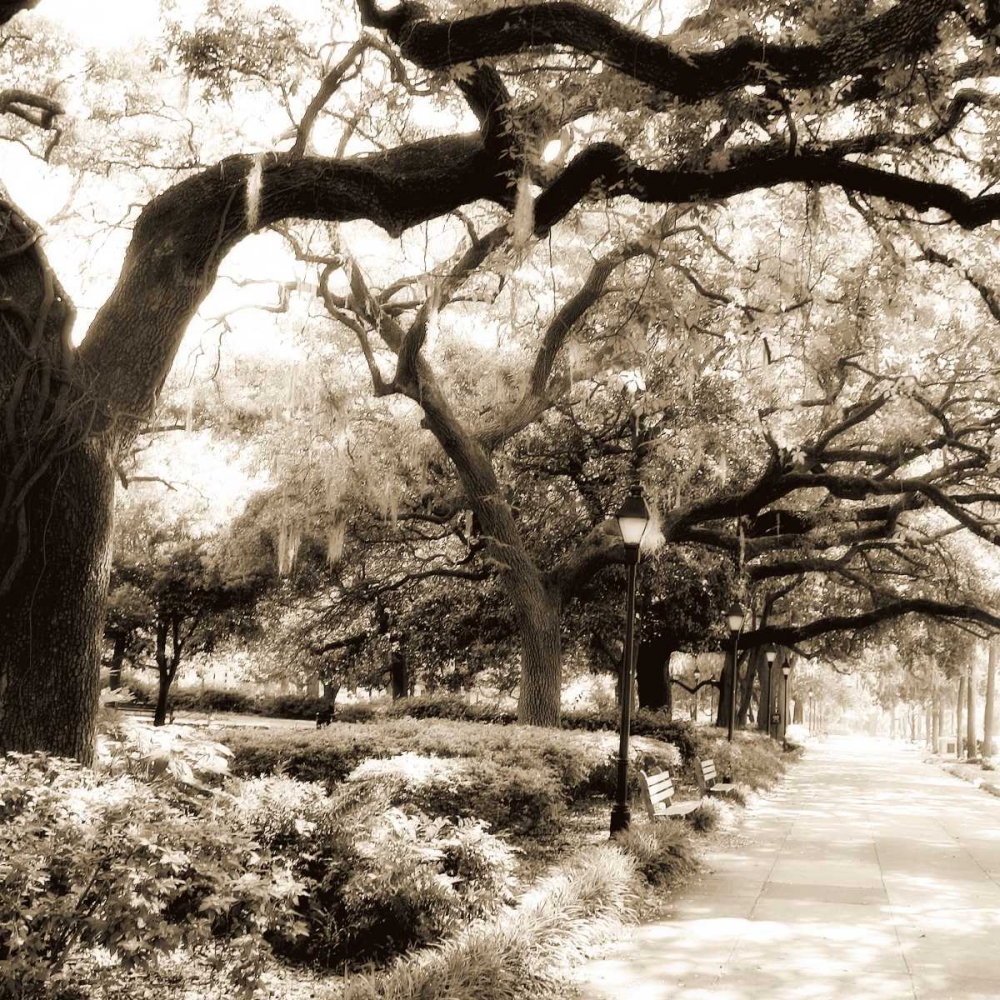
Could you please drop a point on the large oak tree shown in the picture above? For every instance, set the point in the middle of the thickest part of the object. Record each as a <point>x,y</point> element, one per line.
<point>870,100</point>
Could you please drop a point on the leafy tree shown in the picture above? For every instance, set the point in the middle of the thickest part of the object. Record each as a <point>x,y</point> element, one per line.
<point>872,104</point>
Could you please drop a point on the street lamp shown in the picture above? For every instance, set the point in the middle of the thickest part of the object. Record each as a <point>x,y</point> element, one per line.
<point>632,520</point>
<point>772,654</point>
<point>734,616</point>
<point>786,669</point>
<point>697,677</point>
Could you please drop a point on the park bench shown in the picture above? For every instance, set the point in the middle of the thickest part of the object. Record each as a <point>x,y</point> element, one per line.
<point>705,774</point>
<point>658,793</point>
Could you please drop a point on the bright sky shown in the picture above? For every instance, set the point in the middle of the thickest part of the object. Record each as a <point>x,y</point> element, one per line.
<point>119,21</point>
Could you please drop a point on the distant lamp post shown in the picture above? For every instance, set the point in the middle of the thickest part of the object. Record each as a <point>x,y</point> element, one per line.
<point>734,616</point>
<point>785,670</point>
<point>697,678</point>
<point>632,520</point>
<point>772,654</point>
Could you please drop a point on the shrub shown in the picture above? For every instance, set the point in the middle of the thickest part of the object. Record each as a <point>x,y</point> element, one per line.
<point>524,800</point>
<point>752,760</point>
<point>521,953</point>
<point>92,860</point>
<point>378,881</point>
<point>359,711</point>
<point>279,811</point>
<point>482,866</point>
<point>662,851</point>
<point>289,706</point>
<point>327,755</point>
<point>705,818</point>
<point>583,763</point>
<point>655,725</point>
<point>448,706</point>
<point>166,753</point>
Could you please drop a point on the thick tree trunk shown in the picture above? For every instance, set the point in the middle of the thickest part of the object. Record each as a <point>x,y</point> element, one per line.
<point>653,675</point>
<point>56,489</point>
<point>51,624</point>
<point>166,669</point>
<point>398,679</point>
<point>117,658</point>
<point>989,708</point>
<point>798,716</point>
<point>541,663</point>
<point>746,690</point>
<point>766,696</point>
<point>162,694</point>
<point>724,706</point>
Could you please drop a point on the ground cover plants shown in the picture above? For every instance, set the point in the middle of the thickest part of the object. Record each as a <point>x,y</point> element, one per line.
<point>349,850</point>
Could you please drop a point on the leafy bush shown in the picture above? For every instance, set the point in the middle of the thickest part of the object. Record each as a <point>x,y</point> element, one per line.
<point>583,763</point>
<point>378,881</point>
<point>172,753</point>
<point>288,706</point>
<point>523,800</point>
<point>655,725</point>
<point>662,851</point>
<point>92,860</point>
<point>279,811</point>
<point>705,818</point>
<point>360,711</point>
<point>448,706</point>
<point>521,953</point>
<point>752,759</point>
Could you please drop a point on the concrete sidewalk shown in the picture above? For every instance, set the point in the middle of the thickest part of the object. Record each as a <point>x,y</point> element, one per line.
<point>869,874</point>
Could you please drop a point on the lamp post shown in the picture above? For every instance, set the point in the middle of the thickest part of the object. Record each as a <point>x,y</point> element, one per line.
<point>632,520</point>
<point>772,654</point>
<point>786,669</point>
<point>697,677</point>
<point>734,616</point>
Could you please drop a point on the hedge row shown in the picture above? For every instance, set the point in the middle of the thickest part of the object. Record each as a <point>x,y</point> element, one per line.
<point>445,706</point>
<point>524,776</point>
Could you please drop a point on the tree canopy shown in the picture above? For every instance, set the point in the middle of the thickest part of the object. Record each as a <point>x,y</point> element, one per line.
<point>742,256</point>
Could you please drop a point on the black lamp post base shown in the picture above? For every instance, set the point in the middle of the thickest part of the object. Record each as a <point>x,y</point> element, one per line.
<point>621,817</point>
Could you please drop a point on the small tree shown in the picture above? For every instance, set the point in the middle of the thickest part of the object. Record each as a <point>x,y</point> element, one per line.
<point>193,595</point>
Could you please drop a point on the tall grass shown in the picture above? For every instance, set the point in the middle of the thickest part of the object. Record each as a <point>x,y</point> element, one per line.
<point>526,951</point>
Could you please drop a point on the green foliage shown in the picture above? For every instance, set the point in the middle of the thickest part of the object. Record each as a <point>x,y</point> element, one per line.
<point>91,860</point>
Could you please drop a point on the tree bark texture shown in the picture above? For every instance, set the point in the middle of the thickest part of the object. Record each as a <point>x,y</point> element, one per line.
<point>725,693</point>
<point>51,624</point>
<point>746,687</point>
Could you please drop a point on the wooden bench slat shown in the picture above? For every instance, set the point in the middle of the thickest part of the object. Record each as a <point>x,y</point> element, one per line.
<point>657,794</point>
<point>657,781</point>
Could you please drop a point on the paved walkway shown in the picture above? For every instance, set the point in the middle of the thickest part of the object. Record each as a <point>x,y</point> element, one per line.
<point>869,875</point>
